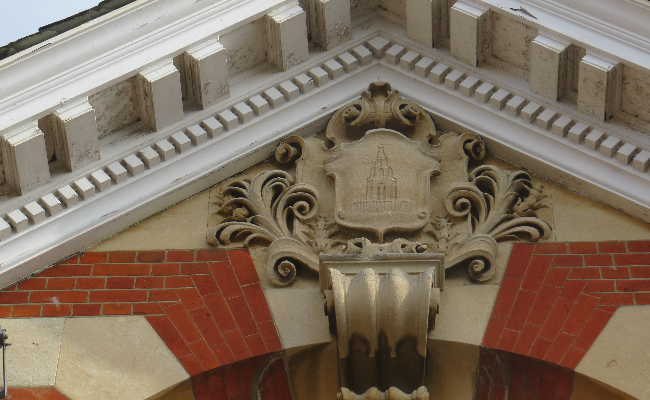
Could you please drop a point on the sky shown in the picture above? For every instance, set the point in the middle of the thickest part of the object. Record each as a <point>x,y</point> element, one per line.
<point>20,18</point>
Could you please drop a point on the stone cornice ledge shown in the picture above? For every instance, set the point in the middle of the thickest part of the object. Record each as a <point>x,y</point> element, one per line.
<point>508,136</point>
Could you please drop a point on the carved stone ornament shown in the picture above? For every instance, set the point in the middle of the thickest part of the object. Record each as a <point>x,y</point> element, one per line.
<point>382,179</point>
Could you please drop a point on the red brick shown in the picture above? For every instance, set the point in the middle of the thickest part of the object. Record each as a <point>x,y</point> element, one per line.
<point>572,290</point>
<point>117,296</point>
<point>76,296</point>
<point>543,304</point>
<point>178,282</point>
<point>515,386</point>
<point>207,326</point>
<point>556,318</point>
<point>13,297</point>
<point>611,247</point>
<point>508,340</point>
<point>533,376</point>
<point>237,345</point>
<point>550,248</point>
<point>540,348</point>
<point>205,284</point>
<point>220,312</point>
<point>642,246</point>
<point>632,259</point>
<point>151,257</point>
<point>243,266</point>
<point>121,269</point>
<point>180,256</point>
<point>204,355</point>
<point>195,268</point>
<point>585,273</point>
<point>483,385</point>
<point>617,299</point>
<point>493,332</point>
<point>564,386</point>
<point>57,310</point>
<point>597,260</point>
<point>211,255</point>
<point>168,333</point>
<point>200,387</point>
<point>190,298</point>
<point>215,380</point>
<point>165,269</point>
<point>226,279</point>
<point>147,309</point>
<point>5,311</point>
<point>66,270</point>
<point>270,336</point>
<point>556,276</point>
<point>518,261</point>
<point>21,394</point>
<point>70,260</point>
<point>242,314</point>
<point>268,393</point>
<point>595,324</point>
<point>191,364</point>
<point>627,285</point>
<point>583,247</point>
<point>163,295</point>
<point>281,383</point>
<point>121,257</point>
<point>579,315</point>
<point>86,310</point>
<point>48,393</point>
<point>223,354</point>
<point>609,309</point>
<point>642,298</point>
<point>520,310</point>
<point>526,339</point>
<point>572,358</point>
<point>149,282</point>
<point>93,258</point>
<point>567,261</point>
<point>615,272</point>
<point>231,382</point>
<point>546,390</point>
<point>257,303</point>
<point>536,272</point>
<point>255,344</point>
<point>32,284</point>
<point>120,283</point>
<point>599,286</point>
<point>506,297</point>
<point>26,311</point>
<point>179,316</point>
<point>91,283</point>
<point>498,393</point>
<point>116,309</point>
<point>10,288</point>
<point>60,283</point>
<point>640,272</point>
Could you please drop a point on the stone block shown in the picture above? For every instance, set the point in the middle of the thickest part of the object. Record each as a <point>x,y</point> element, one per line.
<point>561,126</point>
<point>599,87</point>
<point>286,30</point>
<point>18,220</point>
<point>594,139</point>
<point>610,146</point>
<point>206,73</point>
<point>258,104</point>
<point>394,54</point>
<point>333,68</point>
<point>25,158</point>
<point>274,97</point>
<point>51,204</point>
<point>484,92</point>
<point>625,154</point>
<point>546,119</point>
<point>454,78</point>
<point>101,180</point>
<point>577,132</point>
<point>515,105</point>
<point>5,229</point>
<point>34,212</point>
<point>421,21</point>
<point>133,165</point>
<point>165,149</point>
<point>469,33</point>
<point>212,126</point>
<point>408,60</point>
<point>68,196</point>
<point>289,90</point>
<point>378,46</point>
<point>531,111</point>
<point>641,161</point>
<point>333,23</point>
<point>423,67</point>
<point>150,157</point>
<point>161,102</point>
<point>76,141</point>
<point>243,112</point>
<point>198,135</point>
<point>438,73</point>
<point>363,55</point>
<point>499,99</point>
<point>117,172</point>
<point>319,75</point>
<point>468,86</point>
<point>181,142</point>
<point>348,61</point>
<point>228,119</point>
<point>548,67</point>
<point>304,83</point>
<point>84,188</point>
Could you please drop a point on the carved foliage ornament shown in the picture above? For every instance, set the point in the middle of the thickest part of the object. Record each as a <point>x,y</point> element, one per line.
<point>382,179</point>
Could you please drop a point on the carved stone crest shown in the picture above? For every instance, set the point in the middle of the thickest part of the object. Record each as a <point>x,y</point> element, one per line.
<point>382,179</point>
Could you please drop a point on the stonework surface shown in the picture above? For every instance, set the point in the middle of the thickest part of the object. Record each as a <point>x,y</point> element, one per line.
<point>40,393</point>
<point>254,378</point>
<point>206,305</point>
<point>556,298</point>
<point>503,375</point>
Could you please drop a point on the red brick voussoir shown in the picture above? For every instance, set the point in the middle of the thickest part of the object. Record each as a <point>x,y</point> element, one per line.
<point>206,305</point>
<point>556,298</point>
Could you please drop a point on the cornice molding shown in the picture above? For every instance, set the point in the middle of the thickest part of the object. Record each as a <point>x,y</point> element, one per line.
<point>510,137</point>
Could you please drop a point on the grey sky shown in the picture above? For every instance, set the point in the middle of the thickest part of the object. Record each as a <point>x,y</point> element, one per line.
<point>20,18</point>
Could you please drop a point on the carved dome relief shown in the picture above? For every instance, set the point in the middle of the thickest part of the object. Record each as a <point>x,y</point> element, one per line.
<point>381,180</point>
